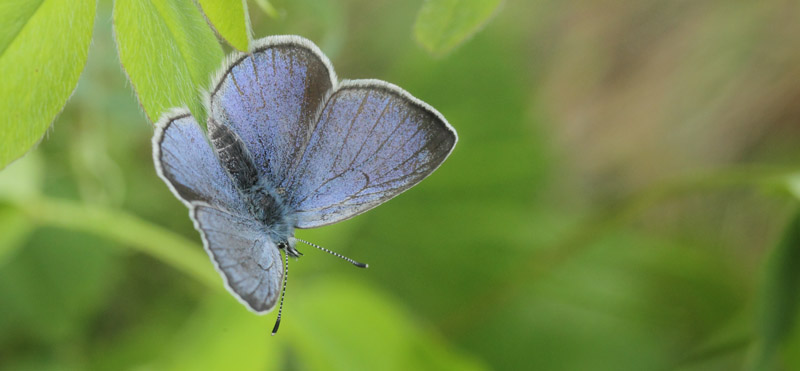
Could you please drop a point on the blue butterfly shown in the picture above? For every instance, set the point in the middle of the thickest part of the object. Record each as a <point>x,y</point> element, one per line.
<point>289,146</point>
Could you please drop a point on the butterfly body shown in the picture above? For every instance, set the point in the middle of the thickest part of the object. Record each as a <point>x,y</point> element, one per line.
<point>289,146</point>
<point>263,201</point>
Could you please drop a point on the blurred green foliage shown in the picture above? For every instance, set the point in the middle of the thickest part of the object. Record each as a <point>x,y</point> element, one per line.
<point>623,197</point>
<point>444,24</point>
<point>781,299</point>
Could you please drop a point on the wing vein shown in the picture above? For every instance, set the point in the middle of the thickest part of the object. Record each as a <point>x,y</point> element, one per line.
<point>349,131</point>
<point>384,159</point>
<point>236,83</point>
<point>258,82</point>
<point>369,134</point>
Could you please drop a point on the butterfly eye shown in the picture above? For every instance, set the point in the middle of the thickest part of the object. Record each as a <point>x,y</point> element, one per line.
<point>281,245</point>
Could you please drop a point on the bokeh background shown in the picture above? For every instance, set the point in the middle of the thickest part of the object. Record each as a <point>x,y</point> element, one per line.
<point>621,198</point>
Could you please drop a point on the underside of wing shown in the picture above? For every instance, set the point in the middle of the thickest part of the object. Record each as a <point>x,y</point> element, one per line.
<point>186,162</point>
<point>373,141</point>
<point>270,98</point>
<point>248,261</point>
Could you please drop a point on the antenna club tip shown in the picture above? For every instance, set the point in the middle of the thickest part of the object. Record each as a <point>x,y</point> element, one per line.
<point>275,329</point>
<point>362,265</point>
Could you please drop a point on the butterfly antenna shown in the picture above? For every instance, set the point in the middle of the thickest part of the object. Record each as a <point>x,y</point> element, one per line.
<point>357,264</point>
<point>283,293</point>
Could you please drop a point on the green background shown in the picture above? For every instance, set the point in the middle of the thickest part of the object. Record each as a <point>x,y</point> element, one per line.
<point>622,197</point>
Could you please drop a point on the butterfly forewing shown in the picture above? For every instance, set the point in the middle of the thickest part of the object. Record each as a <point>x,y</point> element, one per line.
<point>372,142</point>
<point>185,160</point>
<point>270,98</point>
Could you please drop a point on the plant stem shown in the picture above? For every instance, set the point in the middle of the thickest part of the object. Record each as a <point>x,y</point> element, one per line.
<point>129,230</point>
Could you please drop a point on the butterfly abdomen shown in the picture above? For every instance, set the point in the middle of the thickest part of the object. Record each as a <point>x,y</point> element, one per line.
<point>233,155</point>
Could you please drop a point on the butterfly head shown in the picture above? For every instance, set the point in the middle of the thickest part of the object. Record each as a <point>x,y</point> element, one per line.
<point>288,245</point>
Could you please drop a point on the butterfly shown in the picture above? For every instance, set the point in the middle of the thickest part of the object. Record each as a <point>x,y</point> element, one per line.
<point>289,146</point>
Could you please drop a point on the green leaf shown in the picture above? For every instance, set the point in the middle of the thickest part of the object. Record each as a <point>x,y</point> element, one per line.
<point>328,324</point>
<point>268,9</point>
<point>43,48</point>
<point>338,320</point>
<point>442,25</point>
<point>230,20</point>
<point>168,52</point>
<point>780,298</point>
<point>222,335</point>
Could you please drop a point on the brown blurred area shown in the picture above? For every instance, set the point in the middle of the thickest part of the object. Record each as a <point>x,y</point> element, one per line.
<point>642,91</point>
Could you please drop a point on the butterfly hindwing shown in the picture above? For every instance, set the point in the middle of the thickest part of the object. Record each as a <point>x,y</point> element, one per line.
<point>373,141</point>
<point>270,98</point>
<point>248,260</point>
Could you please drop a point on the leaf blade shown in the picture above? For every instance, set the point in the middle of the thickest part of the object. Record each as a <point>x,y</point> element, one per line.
<point>342,335</point>
<point>442,25</point>
<point>42,54</point>
<point>230,20</point>
<point>221,335</point>
<point>168,52</point>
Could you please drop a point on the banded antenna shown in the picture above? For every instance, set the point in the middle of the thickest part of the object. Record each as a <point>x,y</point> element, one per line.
<point>283,292</point>
<point>286,275</point>
<point>351,261</point>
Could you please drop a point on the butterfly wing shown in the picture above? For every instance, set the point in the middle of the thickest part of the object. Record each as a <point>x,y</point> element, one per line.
<point>270,98</point>
<point>373,141</point>
<point>248,261</point>
<point>185,161</point>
